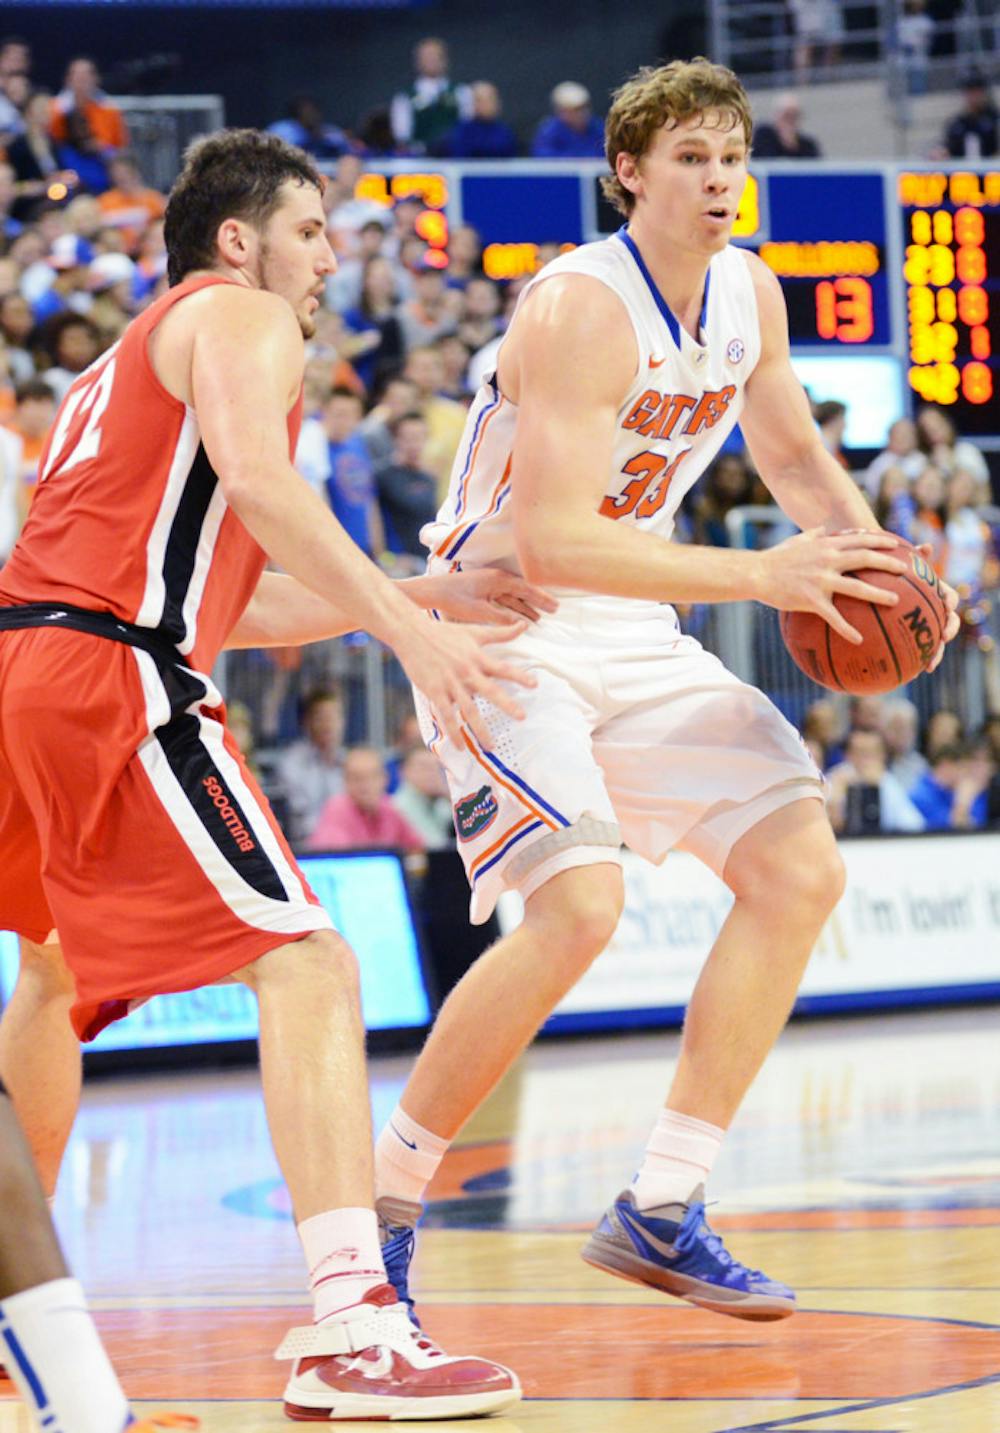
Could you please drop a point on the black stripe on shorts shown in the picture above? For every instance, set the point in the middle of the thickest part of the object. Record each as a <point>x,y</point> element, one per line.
<point>216,807</point>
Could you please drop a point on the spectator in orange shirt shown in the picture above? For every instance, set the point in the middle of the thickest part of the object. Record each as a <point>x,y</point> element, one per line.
<point>130,205</point>
<point>87,123</point>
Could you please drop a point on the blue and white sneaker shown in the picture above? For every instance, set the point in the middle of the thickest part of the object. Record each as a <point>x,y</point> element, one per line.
<point>673,1249</point>
<point>397,1229</point>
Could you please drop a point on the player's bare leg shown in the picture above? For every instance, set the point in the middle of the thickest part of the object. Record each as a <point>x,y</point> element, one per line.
<point>483,1026</point>
<point>312,1061</point>
<point>787,875</point>
<point>316,1094</point>
<point>499,1004</point>
<point>48,1342</point>
<point>40,1059</point>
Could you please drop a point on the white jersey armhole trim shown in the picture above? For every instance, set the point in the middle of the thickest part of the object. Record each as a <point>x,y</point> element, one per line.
<point>540,279</point>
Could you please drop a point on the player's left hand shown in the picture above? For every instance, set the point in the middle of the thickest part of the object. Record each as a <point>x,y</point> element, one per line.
<point>951,598</point>
<point>489,595</point>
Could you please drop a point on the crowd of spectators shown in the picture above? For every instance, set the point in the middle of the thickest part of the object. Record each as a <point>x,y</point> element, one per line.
<point>885,776</point>
<point>407,333</point>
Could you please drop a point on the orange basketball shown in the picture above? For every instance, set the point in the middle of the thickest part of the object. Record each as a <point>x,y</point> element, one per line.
<point>899,641</point>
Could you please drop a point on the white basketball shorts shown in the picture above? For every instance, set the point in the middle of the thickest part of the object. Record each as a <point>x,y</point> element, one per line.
<point>633,734</point>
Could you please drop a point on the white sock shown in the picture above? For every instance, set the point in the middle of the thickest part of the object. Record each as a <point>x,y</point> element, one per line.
<point>406,1158</point>
<point>54,1354</point>
<point>679,1156</point>
<point>343,1257</point>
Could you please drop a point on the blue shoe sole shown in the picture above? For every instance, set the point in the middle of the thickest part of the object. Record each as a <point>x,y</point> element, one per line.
<point>611,1258</point>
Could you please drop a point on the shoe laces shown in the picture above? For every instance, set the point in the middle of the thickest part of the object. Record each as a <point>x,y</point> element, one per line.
<point>694,1230</point>
<point>397,1253</point>
<point>412,1331</point>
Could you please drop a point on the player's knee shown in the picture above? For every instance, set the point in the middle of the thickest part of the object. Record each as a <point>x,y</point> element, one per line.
<point>577,919</point>
<point>809,872</point>
<point>790,856</point>
<point>43,969</point>
<point>322,962</point>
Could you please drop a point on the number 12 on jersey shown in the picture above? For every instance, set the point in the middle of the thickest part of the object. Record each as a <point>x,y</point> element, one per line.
<point>90,399</point>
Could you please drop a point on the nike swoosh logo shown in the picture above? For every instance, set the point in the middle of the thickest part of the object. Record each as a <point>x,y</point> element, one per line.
<point>656,362</point>
<point>396,1132</point>
<point>667,1250</point>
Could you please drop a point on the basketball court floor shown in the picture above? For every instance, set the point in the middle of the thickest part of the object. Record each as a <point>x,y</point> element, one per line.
<point>864,1169</point>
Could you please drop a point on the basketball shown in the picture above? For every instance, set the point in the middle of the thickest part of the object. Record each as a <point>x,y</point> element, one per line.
<point>899,641</point>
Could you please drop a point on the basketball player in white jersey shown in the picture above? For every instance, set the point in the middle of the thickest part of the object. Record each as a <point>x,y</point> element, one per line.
<point>626,365</point>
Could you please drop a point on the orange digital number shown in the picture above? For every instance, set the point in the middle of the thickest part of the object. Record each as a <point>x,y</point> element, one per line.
<point>973,306</point>
<point>844,310</point>
<point>977,383</point>
<point>970,265</point>
<point>970,227</point>
<point>979,341</point>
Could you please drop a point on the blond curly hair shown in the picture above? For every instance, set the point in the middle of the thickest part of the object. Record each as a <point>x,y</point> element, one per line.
<point>668,95</point>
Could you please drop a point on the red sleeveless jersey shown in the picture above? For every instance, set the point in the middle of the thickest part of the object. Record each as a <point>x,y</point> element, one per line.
<point>129,516</point>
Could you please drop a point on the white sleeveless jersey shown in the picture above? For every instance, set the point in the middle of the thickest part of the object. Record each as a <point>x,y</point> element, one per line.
<point>682,403</point>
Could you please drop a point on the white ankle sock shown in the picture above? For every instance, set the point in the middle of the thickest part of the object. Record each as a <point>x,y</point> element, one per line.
<point>343,1257</point>
<point>679,1156</point>
<point>406,1158</point>
<point>54,1354</point>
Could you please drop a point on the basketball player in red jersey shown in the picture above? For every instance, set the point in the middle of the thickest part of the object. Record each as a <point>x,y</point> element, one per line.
<point>128,819</point>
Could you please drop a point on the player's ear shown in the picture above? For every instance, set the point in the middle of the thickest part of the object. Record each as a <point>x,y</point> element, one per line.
<point>627,170</point>
<point>233,238</point>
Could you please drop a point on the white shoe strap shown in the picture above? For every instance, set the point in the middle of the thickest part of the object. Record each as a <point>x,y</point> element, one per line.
<point>389,1326</point>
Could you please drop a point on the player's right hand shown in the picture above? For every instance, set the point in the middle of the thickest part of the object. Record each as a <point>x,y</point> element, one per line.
<point>804,573</point>
<point>452,665</point>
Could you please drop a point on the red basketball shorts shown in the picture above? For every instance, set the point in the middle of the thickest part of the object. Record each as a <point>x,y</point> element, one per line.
<point>130,822</point>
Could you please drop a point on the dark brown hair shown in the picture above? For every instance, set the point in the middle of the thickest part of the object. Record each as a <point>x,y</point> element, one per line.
<point>235,174</point>
<point>668,95</point>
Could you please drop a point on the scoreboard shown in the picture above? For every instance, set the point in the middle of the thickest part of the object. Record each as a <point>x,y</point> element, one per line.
<point>876,260</point>
<point>952,276</point>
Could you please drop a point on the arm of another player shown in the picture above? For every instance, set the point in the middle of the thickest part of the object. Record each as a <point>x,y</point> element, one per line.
<point>806,482</point>
<point>283,613</point>
<point>246,367</point>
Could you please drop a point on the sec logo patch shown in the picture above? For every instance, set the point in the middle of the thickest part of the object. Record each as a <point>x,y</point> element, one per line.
<point>735,350</point>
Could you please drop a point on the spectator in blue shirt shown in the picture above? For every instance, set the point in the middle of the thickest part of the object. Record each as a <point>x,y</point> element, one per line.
<point>305,126</point>
<point>484,135</point>
<point>350,480</point>
<point>572,131</point>
<point>952,795</point>
<point>70,259</point>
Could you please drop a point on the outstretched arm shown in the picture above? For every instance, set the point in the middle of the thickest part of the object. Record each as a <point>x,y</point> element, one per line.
<point>283,613</point>
<point>246,364</point>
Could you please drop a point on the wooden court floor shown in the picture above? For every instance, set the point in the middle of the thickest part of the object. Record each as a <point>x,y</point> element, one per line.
<point>864,1170</point>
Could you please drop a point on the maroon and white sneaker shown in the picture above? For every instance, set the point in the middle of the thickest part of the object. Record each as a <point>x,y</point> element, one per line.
<point>373,1363</point>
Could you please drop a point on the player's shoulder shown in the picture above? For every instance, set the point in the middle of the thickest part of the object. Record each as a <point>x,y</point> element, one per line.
<point>573,329</point>
<point>580,290</point>
<point>764,282</point>
<point>233,302</point>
